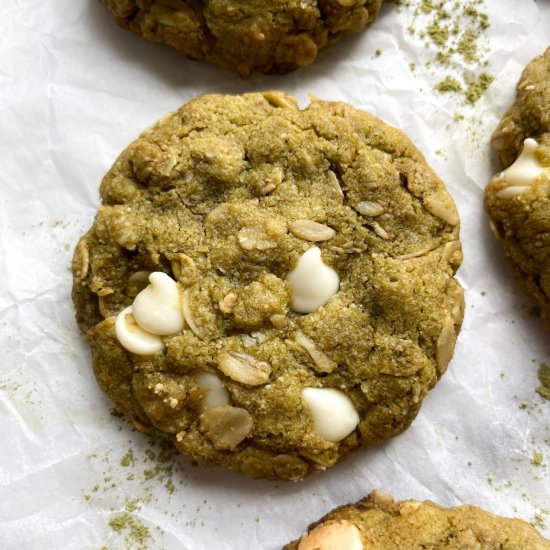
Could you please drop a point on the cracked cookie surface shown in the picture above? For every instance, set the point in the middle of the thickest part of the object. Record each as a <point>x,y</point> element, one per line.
<point>229,196</point>
<point>271,36</point>
<point>518,199</point>
<point>379,523</point>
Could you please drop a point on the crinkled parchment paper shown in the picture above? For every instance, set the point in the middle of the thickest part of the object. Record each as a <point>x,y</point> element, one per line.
<point>74,91</point>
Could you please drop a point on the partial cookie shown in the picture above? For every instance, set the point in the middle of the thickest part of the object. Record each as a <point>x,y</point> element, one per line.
<point>380,523</point>
<point>518,199</point>
<point>270,287</point>
<point>271,36</point>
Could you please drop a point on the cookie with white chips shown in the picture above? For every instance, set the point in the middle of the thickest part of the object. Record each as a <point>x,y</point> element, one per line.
<point>518,198</point>
<point>379,523</point>
<point>270,287</point>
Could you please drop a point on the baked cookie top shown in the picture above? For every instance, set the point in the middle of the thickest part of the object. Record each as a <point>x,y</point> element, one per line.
<point>270,287</point>
<point>379,523</point>
<point>518,198</point>
<point>271,36</point>
<point>529,116</point>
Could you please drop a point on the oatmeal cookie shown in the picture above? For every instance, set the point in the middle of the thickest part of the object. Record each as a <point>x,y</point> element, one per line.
<point>271,36</point>
<point>379,523</point>
<point>518,198</point>
<point>270,287</point>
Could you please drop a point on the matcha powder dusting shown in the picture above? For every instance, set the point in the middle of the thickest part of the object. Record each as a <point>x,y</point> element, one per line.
<point>476,87</point>
<point>544,376</point>
<point>452,33</point>
<point>137,534</point>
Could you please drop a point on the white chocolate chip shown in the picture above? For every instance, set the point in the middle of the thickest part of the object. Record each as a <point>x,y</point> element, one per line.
<point>133,337</point>
<point>333,413</point>
<point>333,535</point>
<point>313,283</point>
<point>215,394</point>
<point>526,169</point>
<point>157,308</point>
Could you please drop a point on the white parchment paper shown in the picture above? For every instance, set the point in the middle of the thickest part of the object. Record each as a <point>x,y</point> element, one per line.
<point>74,91</point>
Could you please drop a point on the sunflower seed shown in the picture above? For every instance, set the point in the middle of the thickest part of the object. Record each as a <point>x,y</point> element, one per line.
<point>380,231</point>
<point>226,426</point>
<point>439,209</point>
<point>311,231</point>
<point>254,238</point>
<point>445,345</point>
<point>244,368</point>
<point>512,191</point>
<point>322,361</point>
<point>81,261</point>
<point>188,314</point>
<point>372,209</point>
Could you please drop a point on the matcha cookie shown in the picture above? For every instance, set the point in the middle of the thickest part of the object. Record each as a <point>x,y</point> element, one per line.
<point>518,198</point>
<point>271,36</point>
<point>379,523</point>
<point>270,287</point>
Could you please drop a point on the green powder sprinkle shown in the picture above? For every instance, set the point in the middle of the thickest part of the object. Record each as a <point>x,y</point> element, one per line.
<point>136,531</point>
<point>538,521</point>
<point>454,35</point>
<point>467,46</point>
<point>544,376</point>
<point>426,6</point>
<point>448,84</point>
<point>537,459</point>
<point>443,58</point>
<point>128,459</point>
<point>132,504</point>
<point>438,33</point>
<point>143,474</point>
<point>476,87</point>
